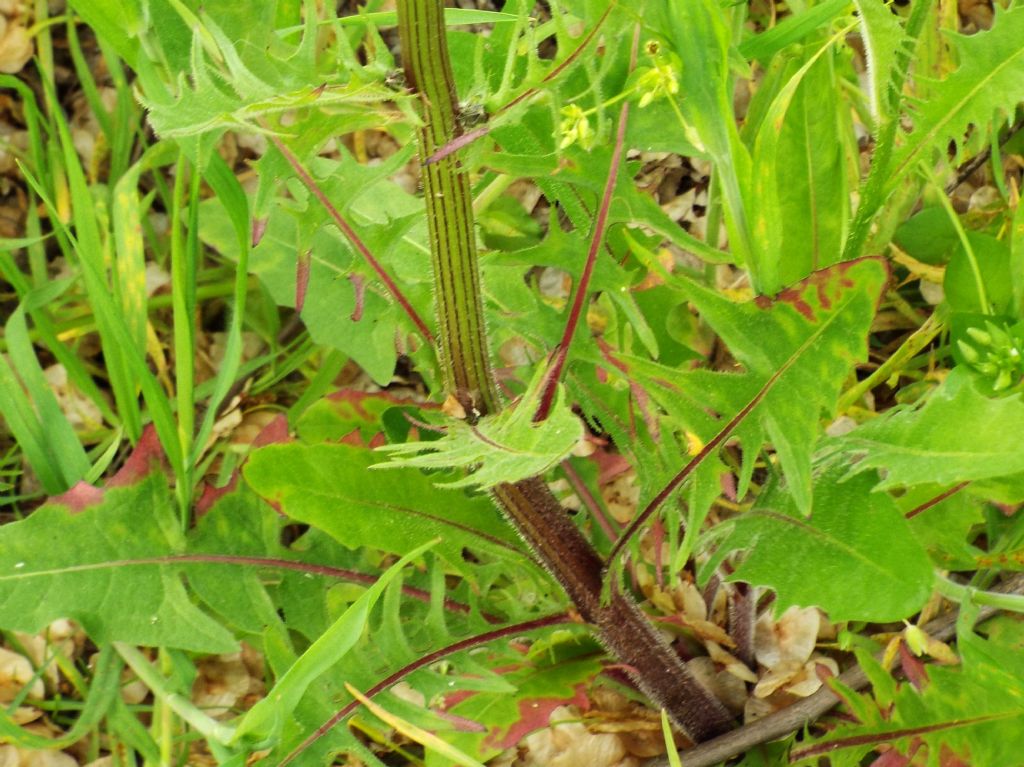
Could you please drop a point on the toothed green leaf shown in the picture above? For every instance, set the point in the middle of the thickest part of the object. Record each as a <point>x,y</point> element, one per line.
<point>795,351</point>
<point>329,487</point>
<point>855,556</point>
<point>989,82</point>
<point>957,435</point>
<point>103,567</point>
<point>506,447</point>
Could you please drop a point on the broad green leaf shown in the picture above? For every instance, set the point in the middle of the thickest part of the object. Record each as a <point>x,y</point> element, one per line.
<point>117,22</point>
<point>855,556</point>
<point>963,292</point>
<point>115,580</point>
<point>240,526</point>
<point>796,352</point>
<point>947,528</point>
<point>928,235</point>
<point>331,488</point>
<point>344,307</point>
<point>801,197</point>
<point>957,435</point>
<point>506,447</point>
<point>990,80</point>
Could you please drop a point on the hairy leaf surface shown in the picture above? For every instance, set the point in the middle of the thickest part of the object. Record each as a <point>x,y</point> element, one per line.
<point>883,36</point>
<point>506,447</point>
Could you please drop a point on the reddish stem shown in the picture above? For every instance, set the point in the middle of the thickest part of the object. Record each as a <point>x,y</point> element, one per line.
<point>936,500</point>
<point>607,524</point>
<point>713,444</point>
<point>340,573</point>
<point>561,352</point>
<point>353,238</point>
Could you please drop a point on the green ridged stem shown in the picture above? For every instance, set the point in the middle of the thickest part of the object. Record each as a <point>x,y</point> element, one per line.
<point>462,338</point>
<point>465,362</point>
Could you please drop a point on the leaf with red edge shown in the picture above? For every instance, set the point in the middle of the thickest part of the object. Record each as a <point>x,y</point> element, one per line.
<point>147,456</point>
<point>554,672</point>
<point>116,580</point>
<point>795,350</point>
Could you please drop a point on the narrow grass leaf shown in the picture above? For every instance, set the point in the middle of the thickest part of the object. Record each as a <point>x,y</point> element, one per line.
<point>792,29</point>
<point>92,253</point>
<point>266,718</point>
<point>416,734</point>
<point>54,429</point>
<point>235,203</point>
<point>104,688</point>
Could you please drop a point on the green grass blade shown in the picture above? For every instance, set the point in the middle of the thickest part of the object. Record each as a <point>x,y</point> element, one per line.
<point>224,184</point>
<point>16,410</point>
<point>91,252</point>
<point>792,29</point>
<point>62,444</point>
<point>156,399</point>
<point>104,687</point>
<point>266,718</point>
<point>183,270</point>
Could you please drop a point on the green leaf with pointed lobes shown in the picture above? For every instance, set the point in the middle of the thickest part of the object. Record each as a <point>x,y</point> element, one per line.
<point>102,567</point>
<point>329,487</point>
<point>506,447</point>
<point>796,351</point>
<point>957,435</point>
